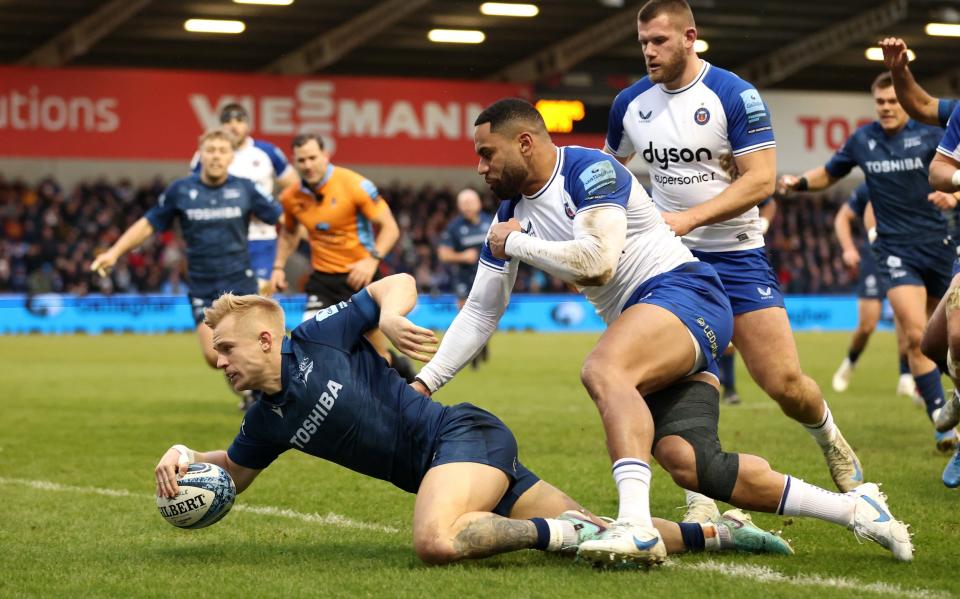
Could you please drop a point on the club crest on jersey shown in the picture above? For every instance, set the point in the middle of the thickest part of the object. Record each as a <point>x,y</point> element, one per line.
<point>568,209</point>
<point>701,116</point>
<point>910,142</point>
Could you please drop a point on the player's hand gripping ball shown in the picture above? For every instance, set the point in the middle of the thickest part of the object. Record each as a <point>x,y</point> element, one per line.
<point>206,495</point>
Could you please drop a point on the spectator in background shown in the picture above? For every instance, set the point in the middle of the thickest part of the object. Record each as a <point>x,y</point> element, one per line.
<point>460,249</point>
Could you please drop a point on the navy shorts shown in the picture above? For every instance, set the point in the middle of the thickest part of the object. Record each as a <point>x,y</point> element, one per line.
<point>869,286</point>
<point>929,265</point>
<point>262,254</point>
<point>694,294</point>
<point>470,434</point>
<point>204,292</point>
<point>748,278</point>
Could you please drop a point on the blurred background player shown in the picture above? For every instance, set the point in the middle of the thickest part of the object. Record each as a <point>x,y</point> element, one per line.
<point>474,497</point>
<point>727,362</point>
<point>213,209</point>
<point>263,163</point>
<point>870,292</point>
<point>336,209</point>
<point>460,247</point>
<point>697,109</point>
<point>913,249</point>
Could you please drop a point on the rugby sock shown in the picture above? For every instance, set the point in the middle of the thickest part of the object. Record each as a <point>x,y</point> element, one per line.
<point>543,533</point>
<point>553,534</point>
<point>632,476</point>
<point>726,365</point>
<point>693,536</point>
<point>931,390</point>
<point>824,431</point>
<point>853,355</point>
<point>704,536</point>
<point>904,364</point>
<point>803,499</point>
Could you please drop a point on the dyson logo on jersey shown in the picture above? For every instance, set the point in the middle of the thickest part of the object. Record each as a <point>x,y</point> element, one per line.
<point>665,156</point>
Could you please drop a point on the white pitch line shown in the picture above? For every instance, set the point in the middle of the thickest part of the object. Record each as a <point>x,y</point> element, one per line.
<point>765,574</point>
<point>330,519</point>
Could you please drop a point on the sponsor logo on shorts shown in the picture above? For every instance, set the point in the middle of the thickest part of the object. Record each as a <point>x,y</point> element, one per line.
<point>765,292</point>
<point>870,282</point>
<point>709,334</point>
<point>897,274</point>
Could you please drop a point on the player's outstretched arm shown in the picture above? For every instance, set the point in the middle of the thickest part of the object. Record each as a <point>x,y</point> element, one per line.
<point>812,180</point>
<point>138,232</point>
<point>472,327</point>
<point>178,458</point>
<point>915,100</point>
<point>757,180</point>
<point>397,295</point>
<point>944,173</point>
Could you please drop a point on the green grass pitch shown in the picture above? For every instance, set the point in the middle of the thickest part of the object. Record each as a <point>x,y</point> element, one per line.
<point>85,419</point>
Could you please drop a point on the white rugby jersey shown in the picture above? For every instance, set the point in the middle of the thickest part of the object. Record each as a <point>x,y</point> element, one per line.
<point>585,179</point>
<point>689,138</point>
<point>261,162</point>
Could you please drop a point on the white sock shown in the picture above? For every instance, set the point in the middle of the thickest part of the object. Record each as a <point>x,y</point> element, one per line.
<point>803,499</point>
<point>562,533</point>
<point>825,431</point>
<point>632,476</point>
<point>715,538</point>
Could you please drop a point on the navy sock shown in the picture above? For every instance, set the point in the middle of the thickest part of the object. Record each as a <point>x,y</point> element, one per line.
<point>931,390</point>
<point>726,364</point>
<point>692,534</point>
<point>543,533</point>
<point>853,355</point>
<point>904,364</point>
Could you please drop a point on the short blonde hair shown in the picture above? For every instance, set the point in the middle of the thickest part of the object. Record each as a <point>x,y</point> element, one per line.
<point>216,133</point>
<point>245,306</point>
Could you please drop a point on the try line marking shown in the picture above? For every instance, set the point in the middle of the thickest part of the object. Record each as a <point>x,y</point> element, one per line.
<point>761,574</point>
<point>329,519</point>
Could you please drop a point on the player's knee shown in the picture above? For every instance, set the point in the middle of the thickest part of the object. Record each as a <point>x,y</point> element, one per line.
<point>866,328</point>
<point>786,386</point>
<point>434,549</point>
<point>596,378</point>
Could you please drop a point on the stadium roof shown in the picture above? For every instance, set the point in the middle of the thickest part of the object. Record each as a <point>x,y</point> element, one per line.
<point>583,47</point>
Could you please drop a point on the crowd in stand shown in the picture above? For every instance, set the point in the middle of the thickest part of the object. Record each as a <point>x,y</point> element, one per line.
<point>48,235</point>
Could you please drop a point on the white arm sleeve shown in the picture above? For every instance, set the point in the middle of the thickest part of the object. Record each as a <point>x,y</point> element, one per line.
<point>473,326</point>
<point>590,259</point>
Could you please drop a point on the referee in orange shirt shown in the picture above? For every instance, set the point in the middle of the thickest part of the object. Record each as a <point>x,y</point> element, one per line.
<point>338,209</point>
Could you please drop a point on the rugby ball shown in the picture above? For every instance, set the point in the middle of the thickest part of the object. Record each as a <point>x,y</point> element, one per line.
<point>206,495</point>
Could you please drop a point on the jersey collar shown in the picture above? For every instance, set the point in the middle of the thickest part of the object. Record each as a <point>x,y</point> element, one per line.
<point>286,362</point>
<point>703,71</point>
<point>323,181</point>
<point>558,164</point>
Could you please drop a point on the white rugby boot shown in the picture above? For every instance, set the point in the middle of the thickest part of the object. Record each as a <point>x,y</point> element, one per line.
<point>624,544</point>
<point>872,520</point>
<point>841,378</point>
<point>700,509</point>
<point>843,463</point>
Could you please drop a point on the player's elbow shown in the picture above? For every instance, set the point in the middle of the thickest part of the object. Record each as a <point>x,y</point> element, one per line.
<point>595,273</point>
